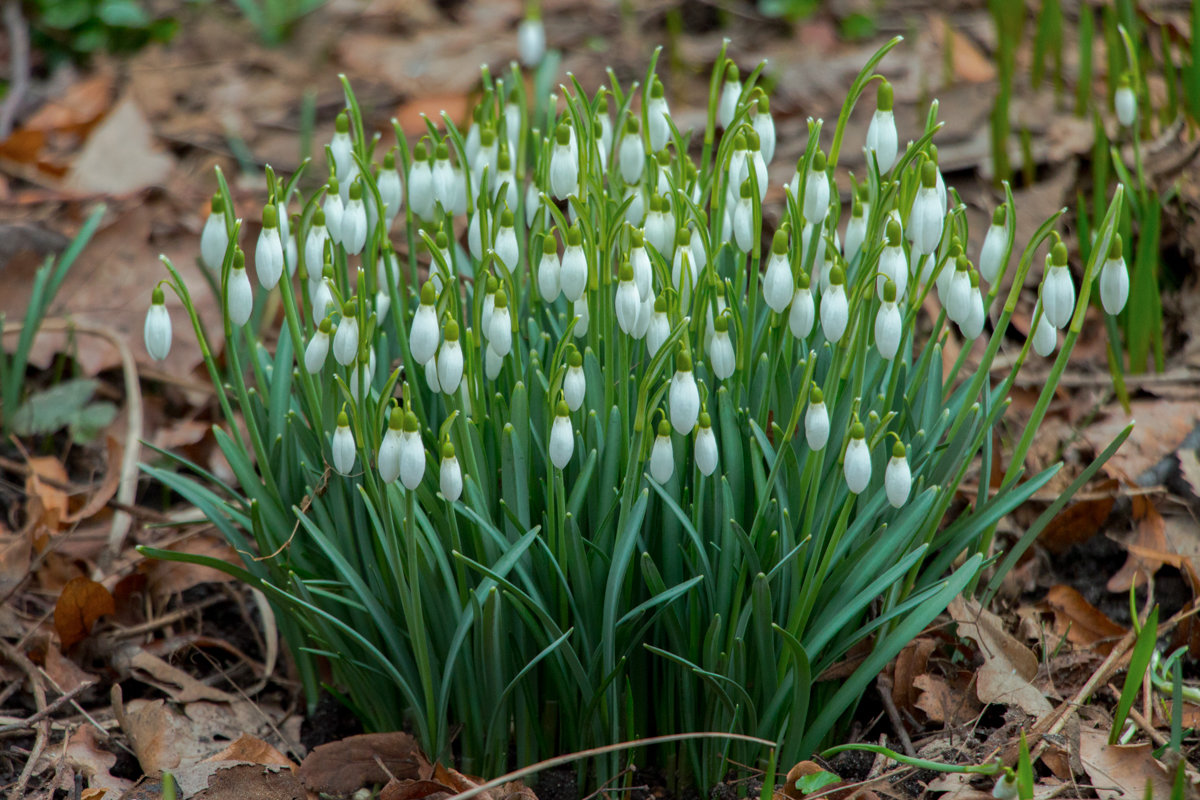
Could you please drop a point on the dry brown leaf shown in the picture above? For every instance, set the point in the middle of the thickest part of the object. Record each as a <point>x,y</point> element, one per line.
<point>167,578</point>
<point>66,674</point>
<point>162,738</point>
<point>16,551</point>
<point>108,487</point>
<point>1149,536</point>
<point>912,662</point>
<point>790,792</point>
<point>944,703</point>
<point>1189,468</point>
<point>47,504</point>
<point>968,62</point>
<point>1079,521</point>
<point>121,155</point>
<point>131,659</point>
<point>1081,622</point>
<point>82,602</point>
<point>253,750</point>
<point>85,755</point>
<point>1008,666</point>
<point>1121,772</point>
<point>1161,427</point>
<point>226,780</point>
<point>347,765</point>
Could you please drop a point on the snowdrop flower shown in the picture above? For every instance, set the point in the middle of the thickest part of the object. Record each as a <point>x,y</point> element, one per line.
<point>699,256</point>
<point>658,115</point>
<point>492,363</point>
<point>662,455</point>
<point>506,246</point>
<point>354,221</point>
<point>1058,292</point>
<point>450,359</point>
<point>683,397</point>
<point>345,340</point>
<point>431,376</point>
<point>388,457</point>
<point>1006,786</point>
<point>471,144</point>
<point>487,157</point>
<point>390,190</point>
<point>731,92</point>
<point>991,256</point>
<point>856,231</point>
<point>946,275</point>
<point>562,437</point>
<point>321,295</point>
<point>157,331</point>
<point>489,303</point>
<point>344,452</point>
<point>718,295</point>
<point>835,310</point>
<point>582,317</point>
<point>333,209</point>
<point>1045,336</point>
<point>342,145</point>
<point>705,448</point>
<point>605,139</point>
<point>663,183</point>
<point>442,264</point>
<point>659,229</point>
<point>958,298</point>
<point>318,348</point>
<point>531,41</point>
<point>683,271</point>
<point>239,301</point>
<point>421,198</point>
<point>506,179</point>
<point>549,269</point>
<point>882,141</point>
<point>442,177</point>
<point>268,254</point>
<point>645,312</point>
<point>756,164</point>
<point>635,212</point>
<point>939,182</point>
<point>628,301</point>
<point>639,259</point>
<point>814,236</point>
<point>632,154</point>
<point>1114,278</point>
<point>972,326</point>
<point>474,232</point>
<point>816,421</point>
<point>888,324</point>
<point>573,275</point>
<point>363,371</point>
<point>926,220</point>
<point>314,246</point>
<point>743,220</point>
<point>660,326</point>
<point>764,125</point>
<point>804,310</point>
<point>574,381</point>
<point>500,334</point>
<point>1125,101</point>
<point>423,336</point>
<point>512,121</point>
<point>564,166</point>
<point>857,464</point>
<point>897,477</point>
<point>816,190</point>
<point>450,480</point>
<point>777,281</point>
<point>412,453</point>
<point>214,238</point>
<point>893,264</point>
<point>720,351</point>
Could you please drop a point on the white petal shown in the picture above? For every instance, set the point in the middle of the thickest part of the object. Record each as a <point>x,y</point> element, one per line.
<point>857,466</point>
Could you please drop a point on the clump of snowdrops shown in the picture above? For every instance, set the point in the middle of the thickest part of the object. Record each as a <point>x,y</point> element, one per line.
<point>544,454</point>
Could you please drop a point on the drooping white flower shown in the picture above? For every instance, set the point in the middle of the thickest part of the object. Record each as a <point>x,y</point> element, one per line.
<point>1045,336</point>
<point>345,340</point>
<point>699,255</point>
<point>721,356</point>
<point>450,359</point>
<point>893,264</point>
<point>628,301</point>
<point>239,301</point>
<point>489,303</point>
<point>777,280</point>
<point>645,312</point>
<point>450,480</point>
<point>314,246</point>
<point>423,336</point>
<point>659,229</point>
<point>926,219</point>
<point>731,92</point>
<point>1058,292</point>
<point>388,458</point>
<point>390,190</point>
<point>562,437</point>
<point>157,331</point>
<point>816,190</point>
<point>718,295</point>
<point>431,376</point>
<point>816,421</point>
<point>991,256</point>
<point>493,362</point>
<point>683,271</point>
<point>743,220</point>
<point>631,156</point>
<point>857,464</point>
<point>486,158</point>
<point>605,139</point>
<point>531,41</point>
<point>882,141</point>
<point>658,115</point>
<point>764,126</point>
<point>856,232</point>
<point>214,238</point>
<point>506,179</point>
<point>363,371</point>
<point>412,453</point>
<point>683,396</point>
<point>333,208</point>
<point>442,176</point>
<point>663,184</point>
<point>972,326</point>
<point>574,386</point>
<point>344,451</point>
<point>835,309</point>
<point>512,122</point>
<point>1114,278</point>
<point>268,254</point>
<point>474,234</point>
<point>635,212</point>
<point>564,166</point>
<point>341,146</point>
<point>549,269</point>
<point>421,198</point>
<point>582,317</point>
<point>354,221</point>
<point>660,326</point>
<point>897,477</point>
<point>533,204</point>
<point>888,324</point>
<point>506,246</point>
<point>321,296</point>
<point>1006,786</point>
<point>813,236</point>
<point>705,448</point>
<point>1125,101</point>
<point>639,259</point>
<point>573,275</point>
<point>958,296</point>
<point>318,348</point>
<point>804,310</point>
<point>662,455</point>
<point>500,334</point>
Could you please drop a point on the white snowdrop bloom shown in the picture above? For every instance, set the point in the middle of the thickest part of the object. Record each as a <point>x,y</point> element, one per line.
<point>354,222</point>
<point>450,360</point>
<point>214,238</point>
<point>1114,278</point>
<point>893,264</point>
<point>390,190</point>
<point>946,275</point>
<point>548,270</point>
<point>318,348</point>
<point>239,301</point>
<point>958,298</point>
<point>383,303</point>
<point>743,220</point>
<point>645,313</point>
<point>721,356</point>
<point>926,219</point>
<point>421,198</point>
<point>531,41</point>
<point>506,246</point>
<point>639,259</point>
<point>506,179</point>
<point>573,275</point>
<point>635,212</point>
<point>492,363</point>
<point>512,122</point>
<point>487,157</point>
<point>345,340</point>
<point>631,155</point>
<point>412,453</point>
<point>683,396</point>
<point>472,142</point>
<point>346,180</point>
<point>500,334</point>
<point>344,452</point>
<point>605,140</point>
<point>816,191</point>
<point>814,236</point>
<point>804,310</point>
<point>888,324</point>
<point>857,464</point>
<point>431,376</point>
<point>387,459</point>
<point>1006,786</point>
<point>659,230</point>
<point>991,256</point>
<point>816,421</point>
<point>1045,336</point>
<point>764,126</point>
<point>362,373</point>
<point>1125,101</point>
<point>699,256</point>
<point>657,116</point>
<point>705,448</point>
<point>660,326</point>
<point>582,317</point>
<point>939,182</point>
<point>718,291</point>
<point>342,145</point>
<point>972,326</point>
<point>268,254</point>
<point>835,310</point>
<point>777,280</point>
<point>314,245</point>
<point>533,204</point>
<point>1058,292</point>
<point>856,232</point>
<point>683,271</point>
<point>574,386</point>
<point>628,301</point>
<point>423,336</point>
<point>897,477</point>
<point>157,330</point>
<point>333,208</point>
<point>442,176</point>
<point>663,183</point>
<point>662,455</point>
<point>321,297</point>
<point>489,303</point>
<point>564,166</point>
<point>882,141</point>
<point>731,92</point>
<point>450,480</point>
<point>562,437</point>
<point>474,234</point>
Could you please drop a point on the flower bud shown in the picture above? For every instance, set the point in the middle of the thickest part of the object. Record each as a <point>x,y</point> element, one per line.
<point>804,310</point>
<point>1125,101</point>
<point>662,455</point>
<point>268,254</point>
<point>442,177</point>
<point>239,300</point>
<point>628,301</point>
<point>344,451</point>
<point>342,145</point>
<point>549,270</point>
<point>882,142</point>
<point>972,326</point>
<point>214,238</point>
<point>500,334</point>
<point>318,348</point>
<point>450,481</point>
<point>412,453</point>
<point>424,335</point>
<point>450,360</point>
<point>388,458</point>
<point>816,190</point>
<point>645,313</point>
<point>835,309</point>
<point>683,396</point>
<point>777,281</point>
<point>489,303</point>
<point>157,331</point>
<point>705,449</point>
<point>731,92</point>
<point>1045,336</point>
<point>333,209</point>
<point>660,327</point>
<point>506,246</point>
<point>893,264</point>
<point>345,340</point>
<point>958,296</point>
<point>658,115</point>
<point>897,477</point>
<point>1114,278</point>
<point>721,356</point>
<point>857,464</point>
<point>743,220</point>
<point>643,272</point>
<point>564,166</point>
<point>856,231</point>
<point>420,184</point>
<point>632,153</point>
<point>991,256</point>
<point>573,275</point>
<point>583,317</point>
<point>926,219</point>
<point>354,221</point>
<point>390,190</point>
<point>888,325</point>
<point>764,126</point>
<point>816,421</point>
<point>1058,292</point>
<point>562,437</point>
<point>493,362</point>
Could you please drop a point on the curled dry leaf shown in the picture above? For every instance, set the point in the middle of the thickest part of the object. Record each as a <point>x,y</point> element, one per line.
<point>1081,622</point>
<point>945,703</point>
<point>82,602</point>
<point>1079,521</point>
<point>447,782</point>
<point>85,755</point>
<point>1121,772</point>
<point>912,662</point>
<point>1150,536</point>
<point>347,765</point>
<point>1008,666</point>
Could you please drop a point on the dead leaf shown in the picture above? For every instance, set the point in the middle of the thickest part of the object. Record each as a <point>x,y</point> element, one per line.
<point>82,602</point>
<point>162,738</point>
<point>47,504</point>
<point>121,156</point>
<point>1161,427</point>
<point>66,674</point>
<point>167,578</point>
<point>131,659</point>
<point>85,755</point>
<point>253,750</point>
<point>1150,536</point>
<point>16,550</point>
<point>968,62</point>
<point>108,487</point>
<point>1008,666</point>
<point>941,702</point>
<point>1121,772</point>
<point>235,781</point>
<point>1189,468</point>
<point>912,662</point>
<point>1081,622</point>
<point>347,765</point>
<point>1079,521</point>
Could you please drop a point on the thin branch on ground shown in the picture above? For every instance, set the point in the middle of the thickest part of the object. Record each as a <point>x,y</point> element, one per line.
<point>42,726</point>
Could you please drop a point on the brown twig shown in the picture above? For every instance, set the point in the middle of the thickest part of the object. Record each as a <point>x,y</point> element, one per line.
<point>18,78</point>
<point>18,659</point>
<point>884,684</point>
<point>58,702</point>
